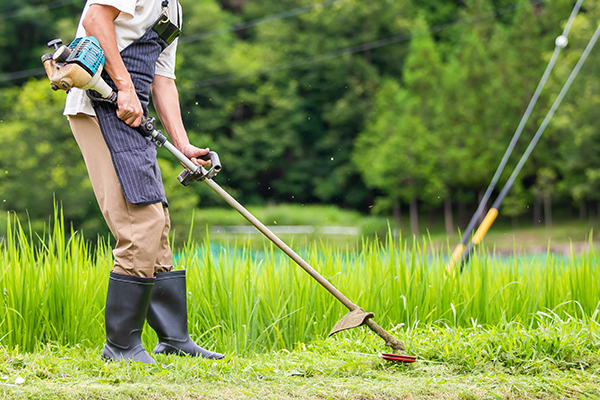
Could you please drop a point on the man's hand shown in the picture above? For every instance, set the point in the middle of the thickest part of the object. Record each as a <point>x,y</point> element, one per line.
<point>192,152</point>
<point>130,109</point>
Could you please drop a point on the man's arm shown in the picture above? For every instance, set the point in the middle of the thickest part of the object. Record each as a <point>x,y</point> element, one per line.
<point>98,22</point>
<point>166,101</point>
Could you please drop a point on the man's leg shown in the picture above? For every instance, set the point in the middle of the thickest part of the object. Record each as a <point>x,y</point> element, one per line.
<point>167,315</point>
<point>139,230</point>
<point>164,257</point>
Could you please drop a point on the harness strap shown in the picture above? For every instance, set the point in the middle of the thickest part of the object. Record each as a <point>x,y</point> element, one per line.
<point>165,26</point>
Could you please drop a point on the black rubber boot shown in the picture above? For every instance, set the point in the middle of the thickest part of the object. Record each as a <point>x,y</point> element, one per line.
<point>167,315</point>
<point>126,306</point>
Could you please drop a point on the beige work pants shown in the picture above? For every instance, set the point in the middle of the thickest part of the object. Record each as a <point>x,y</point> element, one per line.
<point>141,231</point>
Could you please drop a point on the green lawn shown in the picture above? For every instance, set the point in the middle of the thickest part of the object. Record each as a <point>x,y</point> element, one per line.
<point>556,359</point>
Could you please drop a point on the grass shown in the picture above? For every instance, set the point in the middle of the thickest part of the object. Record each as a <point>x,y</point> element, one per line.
<point>564,237</point>
<point>559,358</point>
<point>506,328</point>
<point>314,216</point>
<point>284,214</point>
<point>53,290</point>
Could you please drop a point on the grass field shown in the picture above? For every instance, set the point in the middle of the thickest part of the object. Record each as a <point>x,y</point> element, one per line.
<point>508,327</point>
<point>558,359</point>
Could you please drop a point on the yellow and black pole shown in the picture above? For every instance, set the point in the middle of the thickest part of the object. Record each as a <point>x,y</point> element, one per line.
<point>462,256</point>
<point>462,252</point>
<point>455,259</point>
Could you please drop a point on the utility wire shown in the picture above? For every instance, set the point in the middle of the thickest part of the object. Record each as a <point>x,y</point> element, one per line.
<point>322,57</point>
<point>30,10</point>
<point>11,76</point>
<point>491,216</point>
<point>187,39</point>
<point>365,46</point>
<point>258,21</point>
<point>560,43</point>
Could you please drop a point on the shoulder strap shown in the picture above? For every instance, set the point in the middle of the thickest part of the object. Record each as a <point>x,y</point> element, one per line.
<point>168,26</point>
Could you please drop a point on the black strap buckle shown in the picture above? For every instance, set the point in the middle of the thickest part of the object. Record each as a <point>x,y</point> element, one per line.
<point>166,30</point>
<point>165,27</point>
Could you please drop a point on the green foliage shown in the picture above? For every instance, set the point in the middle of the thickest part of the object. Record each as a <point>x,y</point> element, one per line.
<point>545,182</point>
<point>26,26</point>
<point>288,135</point>
<point>515,204</point>
<point>50,289</point>
<point>397,146</point>
<point>40,160</point>
<point>247,301</point>
<point>377,227</point>
<point>301,113</point>
<point>576,122</point>
<point>477,127</point>
<point>400,137</point>
<point>284,214</point>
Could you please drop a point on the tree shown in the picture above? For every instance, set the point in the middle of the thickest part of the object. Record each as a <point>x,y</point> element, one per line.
<point>515,204</point>
<point>40,160</point>
<point>26,28</point>
<point>287,135</point>
<point>545,187</point>
<point>285,120</point>
<point>422,76</point>
<point>396,149</point>
<point>576,122</point>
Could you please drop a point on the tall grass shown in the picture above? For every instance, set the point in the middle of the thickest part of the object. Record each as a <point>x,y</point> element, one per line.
<point>53,289</point>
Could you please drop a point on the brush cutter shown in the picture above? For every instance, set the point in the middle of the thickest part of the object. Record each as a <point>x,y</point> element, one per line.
<point>79,65</point>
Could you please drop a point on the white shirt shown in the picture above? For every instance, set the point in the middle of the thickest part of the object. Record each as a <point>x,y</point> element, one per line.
<point>134,20</point>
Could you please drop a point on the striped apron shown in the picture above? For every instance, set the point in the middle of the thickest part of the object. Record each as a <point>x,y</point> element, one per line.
<point>133,155</point>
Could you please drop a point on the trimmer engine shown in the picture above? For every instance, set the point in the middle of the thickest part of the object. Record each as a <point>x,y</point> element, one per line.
<point>78,65</point>
<point>86,51</point>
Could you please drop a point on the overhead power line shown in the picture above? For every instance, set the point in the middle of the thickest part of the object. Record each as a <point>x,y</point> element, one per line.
<point>493,213</point>
<point>11,76</point>
<point>258,21</point>
<point>312,59</point>
<point>187,39</point>
<point>366,46</point>
<point>31,10</point>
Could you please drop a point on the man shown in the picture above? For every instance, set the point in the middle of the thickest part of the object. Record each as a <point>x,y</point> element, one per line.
<point>139,41</point>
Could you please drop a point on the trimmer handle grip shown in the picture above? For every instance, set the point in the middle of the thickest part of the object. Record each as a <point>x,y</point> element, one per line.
<point>186,176</point>
<point>192,172</point>
<point>213,157</point>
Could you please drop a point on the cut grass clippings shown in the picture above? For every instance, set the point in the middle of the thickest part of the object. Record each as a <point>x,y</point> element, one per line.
<point>472,363</point>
